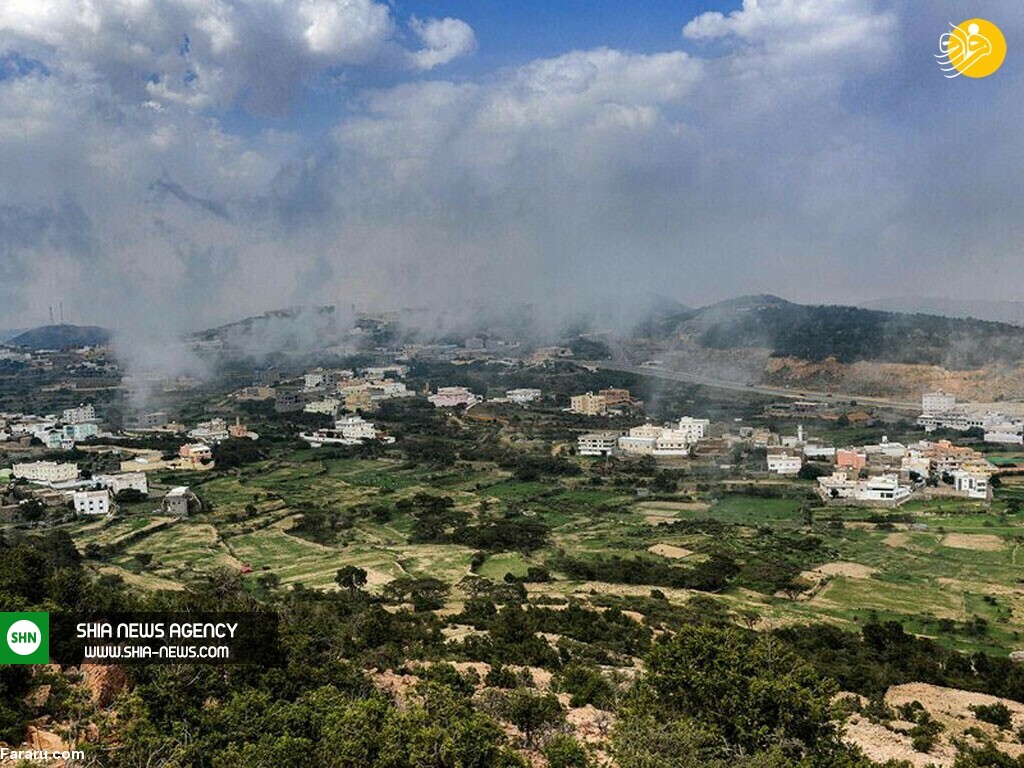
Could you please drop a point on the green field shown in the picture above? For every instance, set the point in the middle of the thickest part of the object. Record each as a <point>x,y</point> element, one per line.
<point>945,567</point>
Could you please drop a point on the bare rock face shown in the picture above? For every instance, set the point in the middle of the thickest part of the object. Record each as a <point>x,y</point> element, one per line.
<point>104,682</point>
<point>37,697</point>
<point>40,739</point>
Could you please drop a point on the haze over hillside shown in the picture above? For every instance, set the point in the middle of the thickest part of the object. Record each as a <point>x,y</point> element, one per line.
<point>849,334</point>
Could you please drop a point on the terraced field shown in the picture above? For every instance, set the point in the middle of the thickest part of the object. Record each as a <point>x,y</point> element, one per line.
<point>943,564</point>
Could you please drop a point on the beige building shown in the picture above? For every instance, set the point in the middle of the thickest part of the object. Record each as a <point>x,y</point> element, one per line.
<point>588,404</point>
<point>45,472</point>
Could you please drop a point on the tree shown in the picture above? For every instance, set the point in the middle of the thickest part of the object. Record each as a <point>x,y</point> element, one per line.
<point>531,712</point>
<point>425,594</point>
<point>563,751</point>
<point>351,578</point>
<point>746,687</point>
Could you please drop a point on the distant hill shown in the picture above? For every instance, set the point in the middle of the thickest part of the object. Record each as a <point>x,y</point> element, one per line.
<point>62,337</point>
<point>849,334</point>
<point>997,311</point>
<point>296,329</point>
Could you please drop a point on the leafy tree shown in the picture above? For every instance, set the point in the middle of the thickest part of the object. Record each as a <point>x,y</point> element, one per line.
<point>531,712</point>
<point>748,688</point>
<point>351,578</point>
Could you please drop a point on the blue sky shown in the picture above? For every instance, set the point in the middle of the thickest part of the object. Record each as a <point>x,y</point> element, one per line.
<point>510,33</point>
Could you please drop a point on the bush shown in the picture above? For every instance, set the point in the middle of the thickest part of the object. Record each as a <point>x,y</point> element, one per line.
<point>997,714</point>
<point>564,751</point>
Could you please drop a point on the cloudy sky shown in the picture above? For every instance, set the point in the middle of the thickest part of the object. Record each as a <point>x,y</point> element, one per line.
<point>170,164</point>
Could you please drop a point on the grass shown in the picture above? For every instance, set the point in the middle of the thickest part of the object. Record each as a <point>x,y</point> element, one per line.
<point>918,578</point>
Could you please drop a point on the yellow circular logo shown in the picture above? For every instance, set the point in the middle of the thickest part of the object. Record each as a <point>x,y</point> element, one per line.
<point>975,48</point>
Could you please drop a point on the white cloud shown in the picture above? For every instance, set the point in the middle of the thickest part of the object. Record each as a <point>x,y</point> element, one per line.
<point>212,53</point>
<point>443,40</point>
<point>777,154</point>
<point>349,31</point>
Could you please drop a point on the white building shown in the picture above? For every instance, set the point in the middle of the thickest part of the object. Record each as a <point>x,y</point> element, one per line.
<point>79,415</point>
<point>386,389</point>
<point>329,406</point>
<point>523,396</point>
<point>881,490</point>
<point>124,481</point>
<point>664,441</point>
<point>974,485</point>
<point>92,502</point>
<point>315,379</point>
<point>937,402</point>
<point>1011,433</point>
<point>350,430</point>
<point>45,472</point>
<point>784,464</point>
<point>817,452</point>
<point>356,427</point>
<point>383,371</point>
<point>598,444</point>
<point>213,431</point>
<point>451,397</point>
<point>694,429</point>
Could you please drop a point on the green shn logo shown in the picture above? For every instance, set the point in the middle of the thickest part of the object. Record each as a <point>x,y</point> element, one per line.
<point>26,638</point>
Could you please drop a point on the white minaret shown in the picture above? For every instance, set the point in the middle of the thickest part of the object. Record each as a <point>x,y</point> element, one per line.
<point>800,433</point>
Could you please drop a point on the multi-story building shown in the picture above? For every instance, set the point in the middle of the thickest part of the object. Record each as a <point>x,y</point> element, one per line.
<point>451,397</point>
<point>694,429</point>
<point>937,402</point>
<point>588,404</point>
<point>79,415</point>
<point>154,420</point>
<point>329,406</point>
<point>973,485</point>
<point>92,502</point>
<point>851,458</point>
<point>598,444</point>
<point>615,397</point>
<point>784,464</point>
<point>290,400</point>
<point>357,400</point>
<point>355,427</point>
<point>79,431</point>
<point>213,431</point>
<point>946,458</point>
<point>651,440</point>
<point>266,377</point>
<point>349,430</point>
<point>196,452</point>
<point>45,472</point>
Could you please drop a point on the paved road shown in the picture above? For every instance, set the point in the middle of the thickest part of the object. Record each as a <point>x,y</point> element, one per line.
<point>761,389</point>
